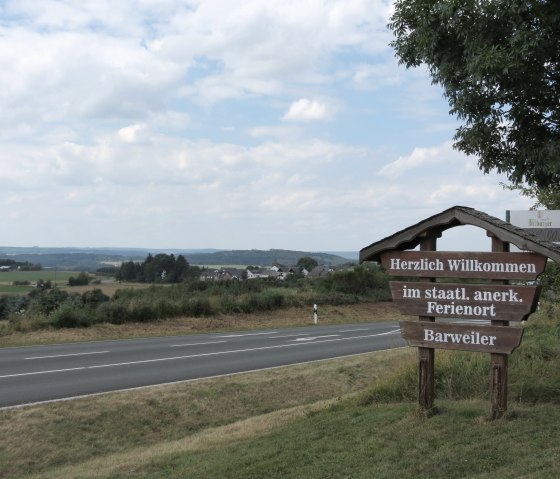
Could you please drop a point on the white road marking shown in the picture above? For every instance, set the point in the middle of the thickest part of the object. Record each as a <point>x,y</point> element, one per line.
<point>291,335</point>
<point>352,330</point>
<point>195,344</point>
<point>175,358</point>
<point>66,355</point>
<point>247,334</point>
<point>313,338</point>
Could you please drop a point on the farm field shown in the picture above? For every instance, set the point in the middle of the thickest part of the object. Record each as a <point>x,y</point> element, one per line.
<point>57,278</point>
<point>7,279</point>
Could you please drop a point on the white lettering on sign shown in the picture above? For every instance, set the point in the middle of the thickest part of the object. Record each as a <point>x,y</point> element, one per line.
<point>510,296</point>
<point>461,265</point>
<point>435,308</point>
<point>436,293</point>
<point>474,337</point>
<point>478,301</point>
<point>422,264</point>
<point>474,265</point>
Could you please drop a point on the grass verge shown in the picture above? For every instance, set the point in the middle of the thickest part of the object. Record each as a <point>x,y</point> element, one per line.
<point>351,441</point>
<point>45,439</point>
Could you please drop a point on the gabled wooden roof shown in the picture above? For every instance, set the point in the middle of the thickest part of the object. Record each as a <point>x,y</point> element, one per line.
<point>410,237</point>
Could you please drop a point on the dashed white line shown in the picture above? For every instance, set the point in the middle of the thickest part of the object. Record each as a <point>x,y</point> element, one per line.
<point>196,344</point>
<point>291,336</point>
<point>313,338</point>
<point>247,334</point>
<point>67,355</point>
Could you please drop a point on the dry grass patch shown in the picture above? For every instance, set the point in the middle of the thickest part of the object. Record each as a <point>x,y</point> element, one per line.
<point>108,288</point>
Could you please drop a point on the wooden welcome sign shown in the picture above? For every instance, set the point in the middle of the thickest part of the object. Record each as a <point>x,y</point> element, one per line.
<point>458,302</point>
<point>463,300</point>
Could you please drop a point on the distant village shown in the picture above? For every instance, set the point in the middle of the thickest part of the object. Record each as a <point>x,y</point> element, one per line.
<point>276,271</point>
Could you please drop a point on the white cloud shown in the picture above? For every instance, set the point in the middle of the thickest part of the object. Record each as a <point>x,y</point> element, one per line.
<point>422,158</point>
<point>131,133</point>
<point>308,110</point>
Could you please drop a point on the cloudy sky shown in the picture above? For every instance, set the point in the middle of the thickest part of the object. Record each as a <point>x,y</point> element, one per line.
<point>231,124</point>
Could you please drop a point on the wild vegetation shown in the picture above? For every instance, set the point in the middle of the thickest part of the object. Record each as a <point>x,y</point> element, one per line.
<point>56,308</point>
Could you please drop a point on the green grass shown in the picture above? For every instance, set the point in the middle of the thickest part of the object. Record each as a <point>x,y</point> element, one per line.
<point>11,289</point>
<point>352,441</point>
<point>45,274</point>
<point>7,278</point>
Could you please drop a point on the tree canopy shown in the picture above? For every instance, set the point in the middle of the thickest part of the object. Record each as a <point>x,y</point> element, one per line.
<point>161,268</point>
<point>307,262</point>
<point>498,64</point>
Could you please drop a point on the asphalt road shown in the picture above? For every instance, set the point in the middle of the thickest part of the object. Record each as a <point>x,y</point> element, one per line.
<point>45,373</point>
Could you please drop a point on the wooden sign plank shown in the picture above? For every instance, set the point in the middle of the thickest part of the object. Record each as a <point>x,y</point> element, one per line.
<point>474,338</point>
<point>465,301</point>
<point>451,264</point>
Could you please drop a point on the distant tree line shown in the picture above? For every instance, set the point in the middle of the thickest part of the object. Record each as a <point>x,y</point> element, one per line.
<point>81,280</point>
<point>21,265</point>
<point>161,268</point>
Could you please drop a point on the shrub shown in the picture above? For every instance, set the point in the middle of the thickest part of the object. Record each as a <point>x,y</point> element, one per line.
<point>228,304</point>
<point>12,304</point>
<point>550,280</point>
<point>81,280</point>
<point>365,280</point>
<point>113,312</point>
<point>167,308</point>
<point>141,312</point>
<point>46,302</point>
<point>259,302</point>
<point>197,307</point>
<point>94,298</point>
<point>70,316</point>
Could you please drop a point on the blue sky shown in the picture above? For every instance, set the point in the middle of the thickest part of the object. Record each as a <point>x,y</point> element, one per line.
<point>222,124</point>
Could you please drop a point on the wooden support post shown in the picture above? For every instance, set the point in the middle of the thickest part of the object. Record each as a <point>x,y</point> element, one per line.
<point>426,356</point>
<point>426,360</point>
<point>499,362</point>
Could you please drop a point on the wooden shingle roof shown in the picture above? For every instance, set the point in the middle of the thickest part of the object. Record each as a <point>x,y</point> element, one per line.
<point>411,237</point>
